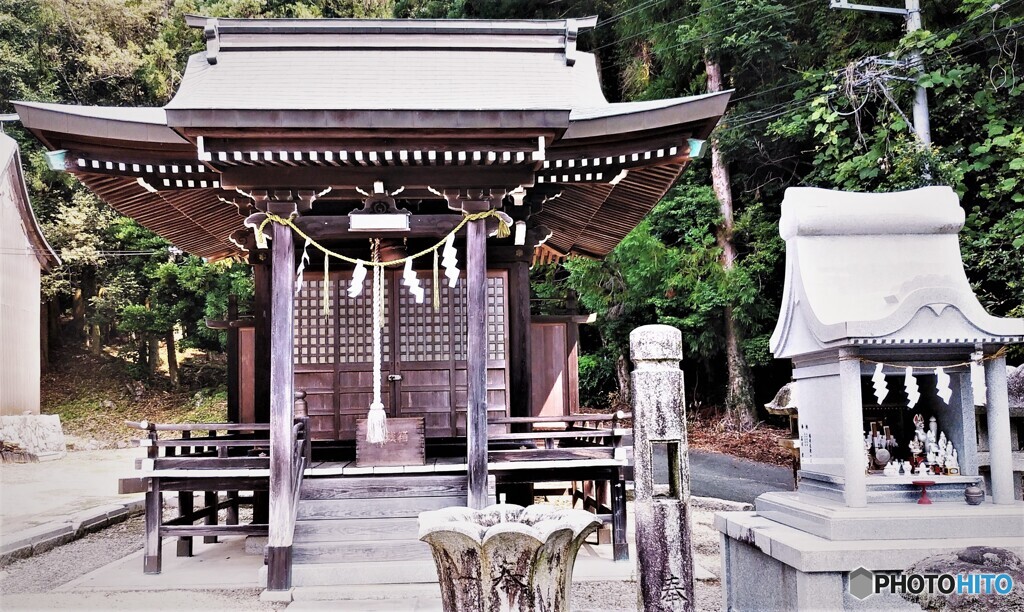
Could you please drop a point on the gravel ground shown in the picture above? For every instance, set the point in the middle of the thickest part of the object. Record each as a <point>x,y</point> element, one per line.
<point>33,583</point>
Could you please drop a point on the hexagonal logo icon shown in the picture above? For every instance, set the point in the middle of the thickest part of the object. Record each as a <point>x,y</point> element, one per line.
<point>862,583</point>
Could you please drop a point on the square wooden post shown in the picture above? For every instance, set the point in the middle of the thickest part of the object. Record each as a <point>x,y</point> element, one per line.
<point>282,398</point>
<point>476,356</point>
<point>232,348</point>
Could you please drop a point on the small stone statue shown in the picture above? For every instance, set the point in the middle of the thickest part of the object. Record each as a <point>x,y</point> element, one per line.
<point>919,433</point>
<point>933,427</point>
<point>891,469</point>
<point>922,468</point>
<point>916,446</point>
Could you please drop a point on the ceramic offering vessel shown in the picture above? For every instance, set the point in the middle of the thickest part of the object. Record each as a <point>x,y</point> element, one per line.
<point>974,495</point>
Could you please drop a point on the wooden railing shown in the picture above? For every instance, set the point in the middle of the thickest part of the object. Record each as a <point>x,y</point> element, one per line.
<point>582,436</point>
<point>300,460</point>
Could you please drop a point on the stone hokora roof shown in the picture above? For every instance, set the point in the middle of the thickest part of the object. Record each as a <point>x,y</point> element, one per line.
<point>878,269</point>
<point>14,193</point>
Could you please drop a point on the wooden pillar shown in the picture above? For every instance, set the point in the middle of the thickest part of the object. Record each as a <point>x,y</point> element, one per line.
<point>232,348</point>
<point>261,365</point>
<point>519,339</point>
<point>476,354</point>
<point>153,544</point>
<point>282,398</point>
<point>262,312</point>
<point>620,546</point>
<point>520,360</point>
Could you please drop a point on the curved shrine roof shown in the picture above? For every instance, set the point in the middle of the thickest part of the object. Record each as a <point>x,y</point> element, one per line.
<point>878,269</point>
<point>310,104</point>
<point>12,189</point>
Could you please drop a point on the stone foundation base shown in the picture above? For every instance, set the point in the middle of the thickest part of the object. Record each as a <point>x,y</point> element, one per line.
<point>39,435</point>
<point>769,565</point>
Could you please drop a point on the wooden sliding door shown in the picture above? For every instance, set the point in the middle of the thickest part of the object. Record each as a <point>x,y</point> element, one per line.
<point>424,354</point>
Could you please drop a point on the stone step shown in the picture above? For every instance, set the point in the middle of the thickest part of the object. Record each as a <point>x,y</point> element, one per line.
<point>399,507</point>
<point>386,487</point>
<point>365,573</point>
<point>357,552</point>
<point>352,530</point>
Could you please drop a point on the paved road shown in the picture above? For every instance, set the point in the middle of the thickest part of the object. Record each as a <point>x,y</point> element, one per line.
<point>726,477</point>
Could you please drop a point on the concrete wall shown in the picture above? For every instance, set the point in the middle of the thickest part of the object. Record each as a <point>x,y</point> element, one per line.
<point>19,307</point>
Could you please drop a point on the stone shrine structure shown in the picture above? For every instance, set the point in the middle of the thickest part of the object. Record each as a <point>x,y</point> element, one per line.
<point>881,324</point>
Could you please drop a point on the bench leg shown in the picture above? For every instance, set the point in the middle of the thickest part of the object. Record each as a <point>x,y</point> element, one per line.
<point>260,507</point>
<point>186,504</point>
<point>231,514</point>
<point>620,546</point>
<point>211,499</point>
<point>154,510</point>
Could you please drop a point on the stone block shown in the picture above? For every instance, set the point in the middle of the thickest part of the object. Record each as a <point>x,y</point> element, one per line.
<point>54,536</point>
<point>38,434</point>
<point>276,596</point>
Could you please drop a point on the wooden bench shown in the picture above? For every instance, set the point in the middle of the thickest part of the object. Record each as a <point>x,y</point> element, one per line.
<point>230,458</point>
<point>589,451</point>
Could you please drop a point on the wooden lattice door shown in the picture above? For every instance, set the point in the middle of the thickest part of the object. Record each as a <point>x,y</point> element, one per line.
<point>424,363</point>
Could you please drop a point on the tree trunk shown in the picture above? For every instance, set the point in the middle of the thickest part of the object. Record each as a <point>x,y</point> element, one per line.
<point>44,337</point>
<point>623,378</point>
<point>95,339</point>
<point>172,358</point>
<point>78,313</point>
<point>53,322</point>
<point>739,399</point>
<point>143,358</point>
<point>154,354</point>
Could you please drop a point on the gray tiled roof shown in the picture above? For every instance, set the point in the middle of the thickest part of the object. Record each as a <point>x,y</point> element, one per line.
<point>364,79</point>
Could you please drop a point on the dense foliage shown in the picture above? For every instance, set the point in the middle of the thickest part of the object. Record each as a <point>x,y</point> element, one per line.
<point>822,97</point>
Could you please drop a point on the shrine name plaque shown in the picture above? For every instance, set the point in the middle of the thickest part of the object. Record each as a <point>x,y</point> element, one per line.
<point>404,444</point>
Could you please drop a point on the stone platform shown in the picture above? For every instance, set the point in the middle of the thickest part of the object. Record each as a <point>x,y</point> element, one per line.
<point>796,553</point>
<point>891,489</point>
<point>903,521</point>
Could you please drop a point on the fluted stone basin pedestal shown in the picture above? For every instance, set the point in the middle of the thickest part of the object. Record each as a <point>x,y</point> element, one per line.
<point>506,557</point>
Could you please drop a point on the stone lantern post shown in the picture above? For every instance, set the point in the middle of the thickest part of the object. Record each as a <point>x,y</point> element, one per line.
<point>662,520</point>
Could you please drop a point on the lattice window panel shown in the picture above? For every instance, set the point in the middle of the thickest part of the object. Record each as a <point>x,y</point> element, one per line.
<point>424,335</point>
<point>356,318</point>
<point>496,324</point>
<point>496,318</point>
<point>314,330</point>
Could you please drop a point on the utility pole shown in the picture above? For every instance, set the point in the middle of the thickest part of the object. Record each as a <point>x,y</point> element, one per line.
<point>912,16</point>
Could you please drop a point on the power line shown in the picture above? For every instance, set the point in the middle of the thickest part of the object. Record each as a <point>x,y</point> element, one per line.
<point>661,25</point>
<point>776,13</point>
<point>626,12</point>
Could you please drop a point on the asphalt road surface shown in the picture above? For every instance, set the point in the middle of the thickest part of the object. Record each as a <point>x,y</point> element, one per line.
<point>726,477</point>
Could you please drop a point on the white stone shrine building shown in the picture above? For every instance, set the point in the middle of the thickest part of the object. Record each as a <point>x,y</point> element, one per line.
<point>893,356</point>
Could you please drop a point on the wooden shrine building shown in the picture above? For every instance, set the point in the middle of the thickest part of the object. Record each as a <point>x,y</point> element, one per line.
<point>348,132</point>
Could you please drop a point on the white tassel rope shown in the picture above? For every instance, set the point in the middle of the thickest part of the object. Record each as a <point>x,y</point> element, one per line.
<point>376,419</point>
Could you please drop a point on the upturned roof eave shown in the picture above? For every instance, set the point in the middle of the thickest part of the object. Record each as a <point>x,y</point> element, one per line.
<point>44,253</point>
<point>129,124</point>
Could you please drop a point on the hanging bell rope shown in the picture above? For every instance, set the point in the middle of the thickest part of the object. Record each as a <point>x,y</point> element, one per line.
<point>376,419</point>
